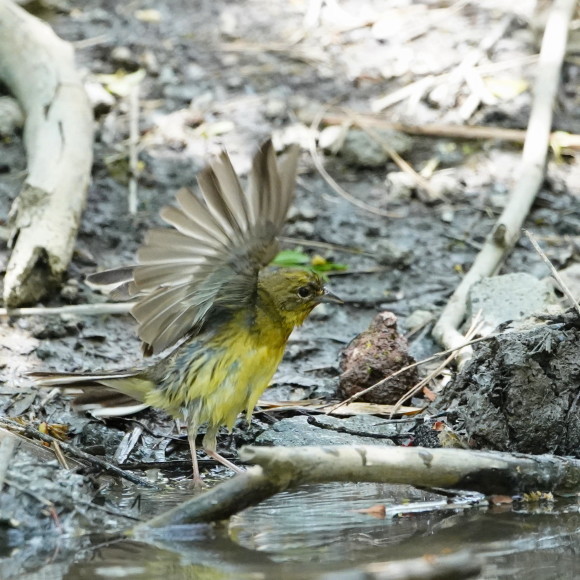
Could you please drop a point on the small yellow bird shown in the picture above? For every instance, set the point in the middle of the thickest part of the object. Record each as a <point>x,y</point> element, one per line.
<point>202,284</point>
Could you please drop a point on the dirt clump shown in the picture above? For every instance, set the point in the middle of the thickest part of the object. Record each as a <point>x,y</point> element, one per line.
<point>521,389</point>
<point>373,355</point>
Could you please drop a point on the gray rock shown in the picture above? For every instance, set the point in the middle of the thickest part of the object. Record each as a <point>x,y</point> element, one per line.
<point>444,183</point>
<point>388,253</point>
<point>400,185</point>
<point>418,319</point>
<point>302,229</point>
<point>304,211</point>
<point>360,150</point>
<point>275,108</point>
<point>122,56</point>
<point>296,431</point>
<point>509,297</point>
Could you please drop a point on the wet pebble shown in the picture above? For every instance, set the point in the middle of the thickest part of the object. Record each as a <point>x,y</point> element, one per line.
<point>124,57</point>
<point>361,150</point>
<point>302,229</point>
<point>400,185</point>
<point>388,253</point>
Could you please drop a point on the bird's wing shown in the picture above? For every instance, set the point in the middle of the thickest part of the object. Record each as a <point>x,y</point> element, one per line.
<point>211,256</point>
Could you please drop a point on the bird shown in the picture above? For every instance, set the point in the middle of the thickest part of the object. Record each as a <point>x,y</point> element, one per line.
<point>206,296</point>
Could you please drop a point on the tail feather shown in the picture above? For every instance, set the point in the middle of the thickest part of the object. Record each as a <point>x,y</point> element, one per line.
<point>109,394</point>
<point>49,379</point>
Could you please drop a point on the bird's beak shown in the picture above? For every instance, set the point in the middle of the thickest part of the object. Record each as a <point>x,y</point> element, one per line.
<point>330,297</point>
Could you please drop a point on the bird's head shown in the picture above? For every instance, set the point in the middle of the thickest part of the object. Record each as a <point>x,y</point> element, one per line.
<point>294,293</point>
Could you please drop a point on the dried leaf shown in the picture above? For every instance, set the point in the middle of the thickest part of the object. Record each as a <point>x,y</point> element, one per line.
<point>505,88</point>
<point>347,410</point>
<point>121,83</point>
<point>378,511</point>
<point>148,15</point>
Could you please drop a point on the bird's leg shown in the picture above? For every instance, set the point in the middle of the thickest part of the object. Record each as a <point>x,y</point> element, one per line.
<point>209,446</point>
<point>191,435</point>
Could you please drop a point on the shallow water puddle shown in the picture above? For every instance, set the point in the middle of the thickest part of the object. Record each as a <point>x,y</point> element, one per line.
<point>317,532</point>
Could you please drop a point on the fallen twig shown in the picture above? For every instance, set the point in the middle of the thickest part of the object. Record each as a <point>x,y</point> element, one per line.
<point>38,68</point>
<point>327,177</point>
<point>506,231</point>
<point>473,331</point>
<point>282,468</point>
<point>77,309</point>
<point>399,161</point>
<point>553,270</point>
<point>133,143</point>
<point>75,452</point>
<point>427,82</point>
<point>449,131</point>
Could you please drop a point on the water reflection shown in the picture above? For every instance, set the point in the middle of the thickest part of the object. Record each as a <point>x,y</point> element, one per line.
<point>316,532</point>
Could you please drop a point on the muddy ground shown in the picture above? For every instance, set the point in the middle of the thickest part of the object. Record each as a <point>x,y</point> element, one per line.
<point>221,73</point>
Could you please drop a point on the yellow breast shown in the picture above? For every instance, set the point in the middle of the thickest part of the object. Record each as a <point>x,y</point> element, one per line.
<point>213,378</point>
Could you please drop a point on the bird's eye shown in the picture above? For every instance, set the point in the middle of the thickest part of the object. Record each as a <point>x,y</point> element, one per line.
<point>304,292</point>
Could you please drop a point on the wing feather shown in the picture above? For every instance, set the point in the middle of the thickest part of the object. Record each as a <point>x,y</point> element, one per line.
<point>210,258</point>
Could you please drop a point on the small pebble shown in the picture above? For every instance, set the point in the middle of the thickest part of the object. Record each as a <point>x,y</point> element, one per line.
<point>400,185</point>
<point>122,56</point>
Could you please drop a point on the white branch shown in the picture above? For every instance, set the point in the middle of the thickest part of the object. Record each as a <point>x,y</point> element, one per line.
<point>38,68</point>
<point>507,229</point>
<point>283,468</point>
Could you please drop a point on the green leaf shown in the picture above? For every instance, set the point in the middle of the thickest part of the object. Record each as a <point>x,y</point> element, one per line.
<point>289,258</point>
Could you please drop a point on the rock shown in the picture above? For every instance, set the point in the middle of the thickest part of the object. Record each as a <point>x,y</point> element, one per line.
<point>418,319</point>
<point>447,214</point>
<point>442,96</point>
<point>51,328</point>
<point>509,297</point>
<point>444,184</point>
<point>302,230</point>
<point>194,72</point>
<point>449,153</point>
<point>400,185</point>
<point>11,117</point>
<point>306,110</point>
<point>122,56</point>
<point>150,63</point>
<point>297,431</point>
<point>304,211</point>
<point>70,291</point>
<point>181,92</point>
<point>388,253</point>
<point>361,150</point>
<point>229,23</point>
<point>275,108</point>
<point>297,133</point>
<point>373,355</point>
<point>235,81</point>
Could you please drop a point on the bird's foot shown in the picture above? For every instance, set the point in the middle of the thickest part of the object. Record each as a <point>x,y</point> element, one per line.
<point>226,462</point>
<point>198,483</point>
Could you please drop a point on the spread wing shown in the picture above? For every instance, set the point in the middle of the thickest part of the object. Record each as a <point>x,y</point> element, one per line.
<point>212,254</point>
